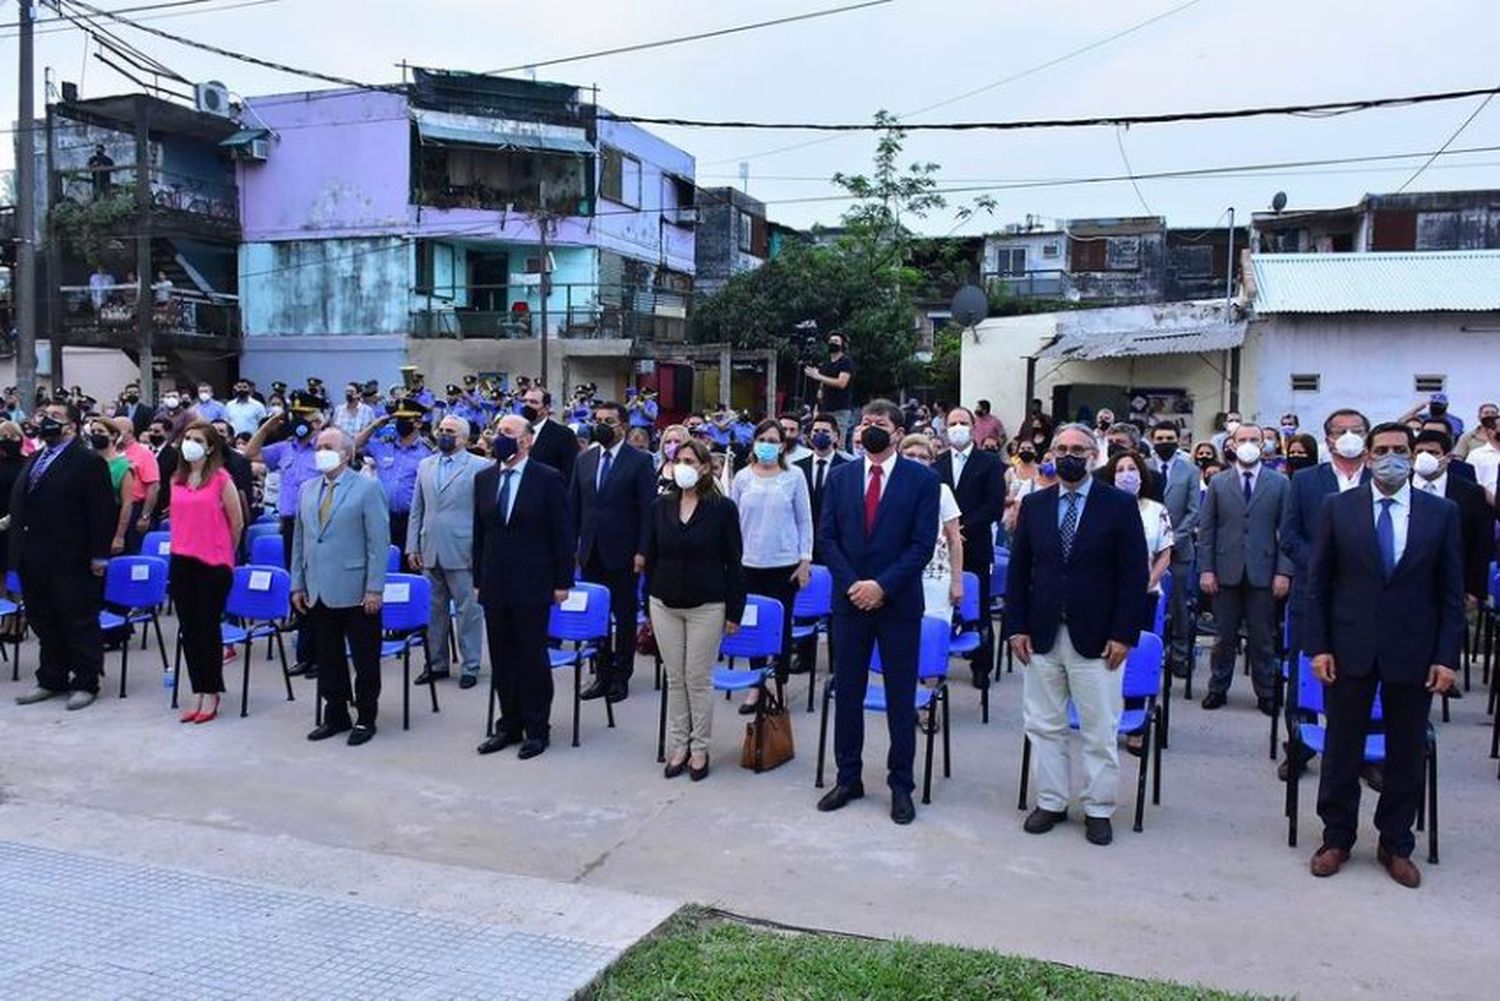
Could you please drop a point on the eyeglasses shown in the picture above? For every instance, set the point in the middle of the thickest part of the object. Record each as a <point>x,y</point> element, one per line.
<point>1081,451</point>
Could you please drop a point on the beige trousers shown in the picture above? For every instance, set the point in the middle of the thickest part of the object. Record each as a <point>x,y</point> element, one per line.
<point>688,639</point>
<point>1051,679</point>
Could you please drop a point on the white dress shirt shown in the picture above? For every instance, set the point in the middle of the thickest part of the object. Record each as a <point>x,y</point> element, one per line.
<point>1239,476</point>
<point>1347,483</point>
<point>960,460</point>
<point>1400,515</point>
<point>515,486</point>
<point>1437,487</point>
<point>886,466</point>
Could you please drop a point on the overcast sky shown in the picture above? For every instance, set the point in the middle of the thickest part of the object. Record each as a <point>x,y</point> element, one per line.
<point>907,54</point>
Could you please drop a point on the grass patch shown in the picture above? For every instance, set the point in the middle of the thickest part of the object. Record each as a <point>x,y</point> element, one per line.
<point>697,956</point>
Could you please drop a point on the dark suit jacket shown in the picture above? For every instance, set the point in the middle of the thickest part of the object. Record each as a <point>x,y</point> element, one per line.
<point>523,561</point>
<point>614,522</point>
<point>1394,628</point>
<point>69,519</point>
<point>893,555</point>
<point>1310,488</point>
<point>980,493</point>
<point>557,447</point>
<point>1476,531</point>
<point>1099,586</point>
<point>808,467</point>
<point>1461,469</point>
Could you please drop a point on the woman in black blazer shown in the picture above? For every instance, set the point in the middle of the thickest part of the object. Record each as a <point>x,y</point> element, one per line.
<point>697,588</point>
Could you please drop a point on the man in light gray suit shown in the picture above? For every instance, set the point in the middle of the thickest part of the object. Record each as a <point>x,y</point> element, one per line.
<point>339,545</point>
<point>1180,491</point>
<point>1241,564</point>
<point>440,543</point>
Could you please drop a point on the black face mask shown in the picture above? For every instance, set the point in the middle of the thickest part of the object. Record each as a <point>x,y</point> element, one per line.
<point>49,429</point>
<point>99,441</point>
<point>875,439</point>
<point>1489,421</point>
<point>446,443</point>
<point>1072,468</point>
<point>1025,454</point>
<point>1204,462</point>
<point>1296,462</point>
<point>1439,409</point>
<point>156,439</point>
<point>132,399</point>
<point>350,397</point>
<point>405,426</point>
<point>604,435</point>
<point>529,413</point>
<point>1165,450</point>
<point>300,428</point>
<point>834,347</point>
<point>1115,448</point>
<point>242,395</point>
<point>504,448</point>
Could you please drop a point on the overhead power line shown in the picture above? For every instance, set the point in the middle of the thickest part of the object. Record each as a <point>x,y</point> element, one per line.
<point>117,10</point>
<point>61,27</point>
<point>1448,142</point>
<point>699,36</point>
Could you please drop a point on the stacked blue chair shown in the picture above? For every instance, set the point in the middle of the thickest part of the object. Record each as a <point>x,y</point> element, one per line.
<point>13,607</point>
<point>1161,625</point>
<point>759,636</point>
<point>1313,736</point>
<point>393,559</point>
<point>999,582</point>
<point>933,654</point>
<point>261,529</point>
<point>157,543</point>
<point>259,602</point>
<point>405,614</point>
<point>1142,681</point>
<point>810,613</point>
<point>138,585</point>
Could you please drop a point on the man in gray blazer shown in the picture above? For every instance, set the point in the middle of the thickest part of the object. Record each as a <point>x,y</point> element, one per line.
<point>339,545</point>
<point>440,543</point>
<point>1241,564</point>
<point>1180,491</point>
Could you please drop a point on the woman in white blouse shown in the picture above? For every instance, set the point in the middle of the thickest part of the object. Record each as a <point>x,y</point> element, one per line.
<point>943,577</point>
<point>777,531</point>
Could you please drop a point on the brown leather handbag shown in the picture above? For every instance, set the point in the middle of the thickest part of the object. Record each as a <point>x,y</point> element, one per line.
<point>768,737</point>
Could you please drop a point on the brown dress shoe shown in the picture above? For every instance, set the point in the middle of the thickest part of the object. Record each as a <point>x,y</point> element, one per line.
<point>1403,870</point>
<point>1328,860</point>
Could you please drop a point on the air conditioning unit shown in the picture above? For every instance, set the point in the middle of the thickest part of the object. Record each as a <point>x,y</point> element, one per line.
<point>258,150</point>
<point>212,98</point>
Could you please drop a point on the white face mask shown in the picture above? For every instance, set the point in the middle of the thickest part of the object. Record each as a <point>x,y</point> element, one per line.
<point>959,436</point>
<point>327,460</point>
<point>170,402</point>
<point>205,395</point>
<point>1350,445</point>
<point>1427,465</point>
<point>1248,452</point>
<point>1231,426</point>
<point>193,451</point>
<point>686,477</point>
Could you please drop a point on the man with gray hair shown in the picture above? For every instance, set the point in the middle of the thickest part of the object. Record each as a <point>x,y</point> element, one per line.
<point>440,543</point>
<point>339,544</point>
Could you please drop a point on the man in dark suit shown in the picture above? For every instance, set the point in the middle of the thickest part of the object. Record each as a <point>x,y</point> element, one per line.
<point>1385,610</point>
<point>817,467</point>
<point>1456,468</point>
<point>1078,568</point>
<point>553,444</point>
<point>1433,464</point>
<point>879,528</point>
<point>1181,487</point>
<point>523,554</point>
<point>62,519</point>
<point>613,489</point>
<point>977,479</point>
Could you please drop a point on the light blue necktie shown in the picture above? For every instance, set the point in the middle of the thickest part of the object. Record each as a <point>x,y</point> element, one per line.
<point>1385,534</point>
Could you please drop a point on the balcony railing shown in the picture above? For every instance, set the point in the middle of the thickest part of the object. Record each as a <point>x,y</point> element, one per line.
<point>1051,283</point>
<point>579,310</point>
<point>171,193</point>
<point>112,308</point>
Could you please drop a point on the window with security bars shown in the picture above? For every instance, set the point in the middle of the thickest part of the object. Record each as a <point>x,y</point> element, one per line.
<point>1430,383</point>
<point>1307,382</point>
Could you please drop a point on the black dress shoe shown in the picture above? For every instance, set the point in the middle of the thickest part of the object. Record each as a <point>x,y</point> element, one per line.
<point>674,770</point>
<point>698,774</point>
<point>1098,830</point>
<point>467,681</point>
<point>428,676</point>
<point>327,729</point>
<point>499,742</point>
<point>1266,705</point>
<point>981,679</point>
<point>1214,700</point>
<point>1040,821</point>
<point>841,796</point>
<point>903,811</point>
<point>619,693</point>
<point>596,690</point>
<point>531,747</point>
<point>748,708</point>
<point>361,734</point>
<point>307,669</point>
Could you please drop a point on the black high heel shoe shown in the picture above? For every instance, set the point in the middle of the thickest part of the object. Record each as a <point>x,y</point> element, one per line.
<point>698,774</point>
<point>672,771</point>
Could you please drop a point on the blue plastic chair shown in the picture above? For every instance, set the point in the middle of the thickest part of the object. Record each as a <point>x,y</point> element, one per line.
<point>259,601</point>
<point>393,559</point>
<point>999,582</point>
<point>759,635</point>
<point>1313,736</point>
<point>137,584</point>
<point>261,529</point>
<point>268,550</point>
<point>1161,625</point>
<point>586,629</point>
<point>933,656</point>
<point>268,518</point>
<point>405,614</point>
<point>13,606</point>
<point>1142,680</point>
<point>810,611</point>
<point>157,543</point>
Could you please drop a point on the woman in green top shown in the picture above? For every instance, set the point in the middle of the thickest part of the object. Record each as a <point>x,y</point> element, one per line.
<point>106,442</point>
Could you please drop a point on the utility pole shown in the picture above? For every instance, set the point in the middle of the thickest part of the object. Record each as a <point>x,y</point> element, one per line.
<point>544,221</point>
<point>26,217</point>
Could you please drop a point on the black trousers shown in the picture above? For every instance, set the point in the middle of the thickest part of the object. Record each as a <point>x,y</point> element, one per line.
<point>399,521</point>
<point>775,583</point>
<point>306,651</point>
<point>1347,704</point>
<point>618,662</point>
<point>333,627</point>
<point>199,592</point>
<point>520,667</point>
<point>854,636</point>
<point>62,607</point>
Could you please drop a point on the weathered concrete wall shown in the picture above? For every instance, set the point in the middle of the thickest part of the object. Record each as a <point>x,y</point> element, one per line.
<point>335,360</point>
<point>326,287</point>
<point>647,233</point>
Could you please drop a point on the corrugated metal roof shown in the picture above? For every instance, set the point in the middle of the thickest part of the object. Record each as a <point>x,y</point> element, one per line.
<point>1406,282</point>
<point>1137,331</point>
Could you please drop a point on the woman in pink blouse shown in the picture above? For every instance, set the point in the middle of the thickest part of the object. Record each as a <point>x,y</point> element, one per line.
<point>206,523</point>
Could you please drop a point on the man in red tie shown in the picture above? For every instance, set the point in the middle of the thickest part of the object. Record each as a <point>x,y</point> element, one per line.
<point>878,527</point>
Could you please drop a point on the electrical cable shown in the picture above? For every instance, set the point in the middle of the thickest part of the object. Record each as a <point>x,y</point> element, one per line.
<point>116,10</point>
<point>1129,170</point>
<point>55,29</point>
<point>1448,142</point>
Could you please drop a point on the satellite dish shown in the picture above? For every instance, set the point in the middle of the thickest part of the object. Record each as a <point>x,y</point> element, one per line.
<point>1278,201</point>
<point>970,306</point>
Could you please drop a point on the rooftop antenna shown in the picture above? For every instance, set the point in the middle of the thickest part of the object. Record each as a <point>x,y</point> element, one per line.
<point>745,176</point>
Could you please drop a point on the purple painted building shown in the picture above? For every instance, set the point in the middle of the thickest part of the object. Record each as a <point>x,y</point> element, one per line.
<point>382,227</point>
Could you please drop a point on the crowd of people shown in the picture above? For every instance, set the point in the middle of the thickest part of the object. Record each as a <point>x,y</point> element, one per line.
<point>1359,548</point>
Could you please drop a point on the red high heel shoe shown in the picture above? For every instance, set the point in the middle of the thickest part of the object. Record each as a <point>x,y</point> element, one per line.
<point>209,716</point>
<point>191,715</point>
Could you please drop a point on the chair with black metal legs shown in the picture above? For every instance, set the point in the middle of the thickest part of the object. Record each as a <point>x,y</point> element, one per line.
<point>405,616</point>
<point>259,602</point>
<point>13,607</point>
<point>137,585</point>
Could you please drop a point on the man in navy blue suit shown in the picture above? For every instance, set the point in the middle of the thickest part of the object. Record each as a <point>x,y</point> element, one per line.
<point>613,489</point>
<point>1072,604</point>
<point>1385,609</point>
<point>523,563</point>
<point>879,526</point>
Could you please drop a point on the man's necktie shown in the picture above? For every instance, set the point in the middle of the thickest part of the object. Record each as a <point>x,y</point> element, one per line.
<point>503,503</point>
<point>43,460</point>
<point>326,507</point>
<point>605,462</point>
<point>1249,486</point>
<point>818,479</point>
<point>445,471</point>
<point>959,460</point>
<point>872,498</point>
<point>1069,529</point>
<point>1385,535</point>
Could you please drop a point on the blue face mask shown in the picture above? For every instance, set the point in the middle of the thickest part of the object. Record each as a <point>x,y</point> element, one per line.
<point>822,441</point>
<point>1048,469</point>
<point>767,451</point>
